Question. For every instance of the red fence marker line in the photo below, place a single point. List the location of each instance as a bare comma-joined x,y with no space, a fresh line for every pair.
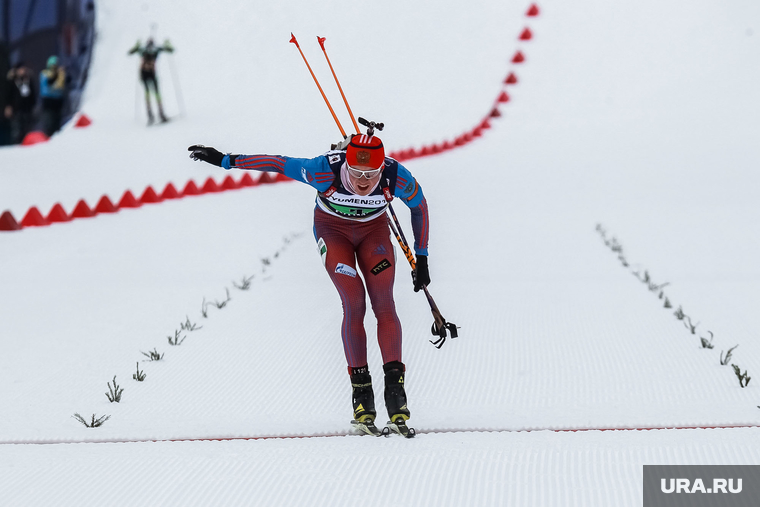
519,57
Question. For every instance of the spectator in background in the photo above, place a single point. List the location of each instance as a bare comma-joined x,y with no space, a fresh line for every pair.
20,101
53,93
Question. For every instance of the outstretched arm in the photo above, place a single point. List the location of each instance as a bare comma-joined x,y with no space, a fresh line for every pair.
312,171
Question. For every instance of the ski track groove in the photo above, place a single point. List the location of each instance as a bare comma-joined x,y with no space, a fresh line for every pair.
349,433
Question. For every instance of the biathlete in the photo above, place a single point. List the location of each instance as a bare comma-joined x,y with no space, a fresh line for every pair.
149,54
354,188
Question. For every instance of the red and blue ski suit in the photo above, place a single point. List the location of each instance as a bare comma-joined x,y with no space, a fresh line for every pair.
351,231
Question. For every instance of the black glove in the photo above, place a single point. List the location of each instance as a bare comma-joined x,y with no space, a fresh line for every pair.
206,153
421,275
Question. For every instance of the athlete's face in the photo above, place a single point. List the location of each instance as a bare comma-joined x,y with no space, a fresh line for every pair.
364,179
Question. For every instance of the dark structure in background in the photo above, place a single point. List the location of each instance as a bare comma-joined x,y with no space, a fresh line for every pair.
33,30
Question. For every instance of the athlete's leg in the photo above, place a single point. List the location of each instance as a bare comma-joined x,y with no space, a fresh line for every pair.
340,263
145,77
158,99
377,262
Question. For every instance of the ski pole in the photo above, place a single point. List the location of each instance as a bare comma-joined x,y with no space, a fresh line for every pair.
340,127
137,100
440,326
321,41
177,89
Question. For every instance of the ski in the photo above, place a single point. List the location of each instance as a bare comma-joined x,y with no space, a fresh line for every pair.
400,428
367,428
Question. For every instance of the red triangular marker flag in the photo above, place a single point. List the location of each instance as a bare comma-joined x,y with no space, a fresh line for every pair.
33,218
105,206
58,214
128,201
82,210
8,222
170,192
149,196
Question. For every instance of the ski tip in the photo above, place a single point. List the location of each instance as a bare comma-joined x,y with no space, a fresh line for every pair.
400,428
366,428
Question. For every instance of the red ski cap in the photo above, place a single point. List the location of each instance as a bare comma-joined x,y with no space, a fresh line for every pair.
365,151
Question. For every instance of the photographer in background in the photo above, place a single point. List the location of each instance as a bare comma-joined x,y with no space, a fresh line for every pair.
20,101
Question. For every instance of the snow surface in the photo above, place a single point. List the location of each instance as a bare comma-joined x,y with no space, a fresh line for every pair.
639,116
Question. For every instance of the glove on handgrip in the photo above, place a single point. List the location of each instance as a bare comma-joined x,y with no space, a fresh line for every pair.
421,275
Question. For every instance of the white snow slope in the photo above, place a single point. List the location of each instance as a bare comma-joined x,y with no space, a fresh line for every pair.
639,116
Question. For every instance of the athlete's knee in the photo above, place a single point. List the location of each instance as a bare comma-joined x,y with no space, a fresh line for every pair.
354,306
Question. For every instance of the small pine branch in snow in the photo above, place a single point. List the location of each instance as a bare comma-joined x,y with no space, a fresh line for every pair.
94,423
153,355
707,344
114,393
623,261
204,308
691,327
654,287
725,361
189,326
667,303
245,284
614,245
679,313
743,378
176,340
140,375
222,304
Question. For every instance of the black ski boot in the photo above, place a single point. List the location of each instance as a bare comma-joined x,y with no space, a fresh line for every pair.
363,399
395,399
395,395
